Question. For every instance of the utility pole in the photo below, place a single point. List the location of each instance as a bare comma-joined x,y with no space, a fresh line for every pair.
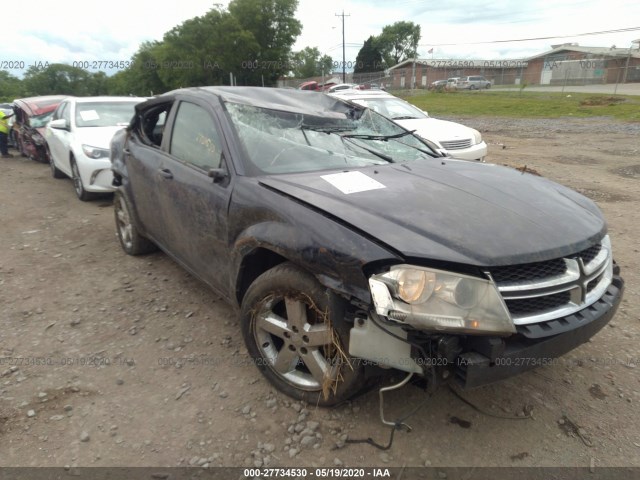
344,63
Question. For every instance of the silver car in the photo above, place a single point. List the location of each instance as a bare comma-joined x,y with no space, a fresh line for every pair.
474,82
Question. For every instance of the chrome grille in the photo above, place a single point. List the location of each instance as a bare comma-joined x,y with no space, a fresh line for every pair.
456,144
528,306
529,271
590,253
542,291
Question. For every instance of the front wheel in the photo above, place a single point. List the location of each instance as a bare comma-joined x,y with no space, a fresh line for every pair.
294,330
78,186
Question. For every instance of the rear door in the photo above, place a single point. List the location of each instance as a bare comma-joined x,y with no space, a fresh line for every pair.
144,158
195,207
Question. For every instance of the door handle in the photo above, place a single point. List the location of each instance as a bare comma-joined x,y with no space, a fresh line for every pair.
166,173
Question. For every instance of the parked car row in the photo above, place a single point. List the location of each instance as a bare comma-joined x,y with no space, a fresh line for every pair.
474,82
333,87
72,135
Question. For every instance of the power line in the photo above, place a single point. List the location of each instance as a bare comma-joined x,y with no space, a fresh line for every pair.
619,30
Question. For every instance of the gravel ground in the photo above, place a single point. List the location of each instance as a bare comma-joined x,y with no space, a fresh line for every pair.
132,362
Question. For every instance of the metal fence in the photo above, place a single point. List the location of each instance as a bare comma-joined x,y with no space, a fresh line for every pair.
579,72
556,73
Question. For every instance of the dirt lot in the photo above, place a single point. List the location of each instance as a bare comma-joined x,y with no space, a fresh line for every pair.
132,362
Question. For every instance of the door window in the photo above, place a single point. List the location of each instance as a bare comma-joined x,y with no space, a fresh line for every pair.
194,138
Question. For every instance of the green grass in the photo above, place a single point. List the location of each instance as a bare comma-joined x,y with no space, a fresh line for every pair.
526,104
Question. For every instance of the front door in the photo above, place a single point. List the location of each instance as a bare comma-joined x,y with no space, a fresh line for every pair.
194,208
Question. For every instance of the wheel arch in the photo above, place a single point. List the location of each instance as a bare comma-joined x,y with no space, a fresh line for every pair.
254,264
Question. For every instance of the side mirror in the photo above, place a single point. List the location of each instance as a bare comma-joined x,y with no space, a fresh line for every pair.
218,174
60,124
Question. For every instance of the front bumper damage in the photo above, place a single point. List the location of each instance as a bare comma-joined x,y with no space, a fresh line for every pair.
473,361
521,353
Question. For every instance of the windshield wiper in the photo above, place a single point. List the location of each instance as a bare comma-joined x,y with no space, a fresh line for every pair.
406,117
362,136
370,150
318,128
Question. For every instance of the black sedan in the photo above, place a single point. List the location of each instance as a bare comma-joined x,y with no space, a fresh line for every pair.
350,247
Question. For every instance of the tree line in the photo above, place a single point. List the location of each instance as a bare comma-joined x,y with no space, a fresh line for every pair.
250,43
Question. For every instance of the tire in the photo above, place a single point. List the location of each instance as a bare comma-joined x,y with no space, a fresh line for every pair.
78,186
291,325
127,227
488,86
472,87
55,172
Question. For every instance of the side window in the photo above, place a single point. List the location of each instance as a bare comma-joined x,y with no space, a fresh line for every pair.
194,139
151,124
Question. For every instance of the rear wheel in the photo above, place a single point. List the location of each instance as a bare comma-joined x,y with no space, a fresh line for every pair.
127,227
55,172
293,328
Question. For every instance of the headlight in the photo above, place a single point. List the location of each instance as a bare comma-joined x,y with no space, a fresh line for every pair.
430,299
477,136
95,152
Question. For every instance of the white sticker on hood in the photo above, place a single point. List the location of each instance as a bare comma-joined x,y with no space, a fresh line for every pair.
352,182
88,115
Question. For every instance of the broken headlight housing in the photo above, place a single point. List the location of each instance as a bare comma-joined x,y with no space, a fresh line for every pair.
430,299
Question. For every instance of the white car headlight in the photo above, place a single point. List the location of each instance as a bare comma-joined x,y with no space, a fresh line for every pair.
95,152
430,299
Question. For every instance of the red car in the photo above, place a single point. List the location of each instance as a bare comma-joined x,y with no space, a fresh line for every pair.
32,114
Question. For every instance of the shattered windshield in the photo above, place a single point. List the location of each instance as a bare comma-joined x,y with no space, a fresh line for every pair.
287,142
40,121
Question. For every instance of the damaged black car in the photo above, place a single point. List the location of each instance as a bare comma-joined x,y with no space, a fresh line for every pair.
350,247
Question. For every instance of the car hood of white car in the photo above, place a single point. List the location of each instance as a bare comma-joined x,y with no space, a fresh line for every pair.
437,130
98,137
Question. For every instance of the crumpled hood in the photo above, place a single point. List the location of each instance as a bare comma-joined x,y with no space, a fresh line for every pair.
96,136
437,130
456,211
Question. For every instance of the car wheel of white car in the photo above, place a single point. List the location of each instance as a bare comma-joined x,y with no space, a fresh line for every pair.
130,239
293,330
55,171
77,183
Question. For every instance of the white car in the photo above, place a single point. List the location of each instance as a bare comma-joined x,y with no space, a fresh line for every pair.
450,138
78,138
342,86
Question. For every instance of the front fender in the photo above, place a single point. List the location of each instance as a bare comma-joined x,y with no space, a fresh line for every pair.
335,254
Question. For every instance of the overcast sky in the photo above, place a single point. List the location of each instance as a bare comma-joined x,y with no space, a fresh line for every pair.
66,31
